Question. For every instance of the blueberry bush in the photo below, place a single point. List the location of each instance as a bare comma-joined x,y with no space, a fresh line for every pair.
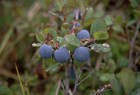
70,47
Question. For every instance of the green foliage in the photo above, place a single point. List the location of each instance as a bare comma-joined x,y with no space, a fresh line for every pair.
101,35
128,79
72,40
112,25
5,91
116,86
40,37
102,48
98,25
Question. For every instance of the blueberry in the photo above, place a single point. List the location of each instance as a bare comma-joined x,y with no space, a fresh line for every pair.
82,54
46,51
61,55
83,34
77,24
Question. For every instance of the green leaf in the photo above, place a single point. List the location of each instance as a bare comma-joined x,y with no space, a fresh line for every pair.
115,85
66,25
40,37
117,28
61,41
72,40
5,91
64,31
127,78
135,3
108,92
53,68
88,22
105,77
51,31
101,35
69,18
138,78
46,30
99,11
111,64
136,91
137,12
102,48
98,25
71,47
59,4
69,6
108,20
131,22
89,13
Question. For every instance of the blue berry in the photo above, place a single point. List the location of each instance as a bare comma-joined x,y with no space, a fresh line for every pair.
61,55
83,34
82,54
77,24
46,51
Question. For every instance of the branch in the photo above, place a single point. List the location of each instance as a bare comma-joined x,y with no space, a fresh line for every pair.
99,61
58,87
76,82
103,89
132,45
66,81
86,77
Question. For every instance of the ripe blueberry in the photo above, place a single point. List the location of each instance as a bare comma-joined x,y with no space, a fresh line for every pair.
77,24
81,54
83,34
46,51
61,55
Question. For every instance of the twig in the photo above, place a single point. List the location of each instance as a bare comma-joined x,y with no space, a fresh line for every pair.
33,10
86,77
6,38
66,82
99,61
58,87
62,85
7,73
103,89
132,45
70,92
20,81
76,82
123,40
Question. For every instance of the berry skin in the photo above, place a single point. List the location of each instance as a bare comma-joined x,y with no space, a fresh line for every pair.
46,51
83,34
61,55
77,24
82,54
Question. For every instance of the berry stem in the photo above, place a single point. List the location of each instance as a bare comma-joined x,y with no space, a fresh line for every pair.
66,80
76,81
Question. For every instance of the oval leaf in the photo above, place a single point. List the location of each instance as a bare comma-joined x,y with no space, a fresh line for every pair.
50,31
115,85
5,91
98,25
72,40
102,48
40,37
61,41
128,80
101,35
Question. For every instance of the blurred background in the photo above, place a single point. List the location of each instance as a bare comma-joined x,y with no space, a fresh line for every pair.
21,19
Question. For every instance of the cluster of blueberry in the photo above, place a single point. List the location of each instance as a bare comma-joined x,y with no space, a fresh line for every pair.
62,54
